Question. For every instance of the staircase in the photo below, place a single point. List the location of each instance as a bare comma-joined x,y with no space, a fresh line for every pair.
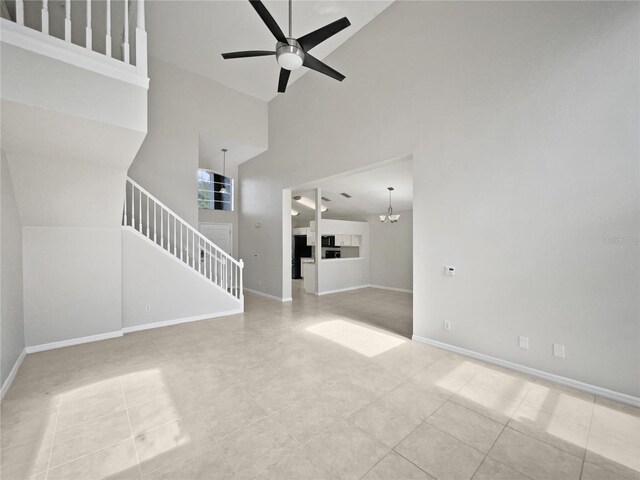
150,218
74,115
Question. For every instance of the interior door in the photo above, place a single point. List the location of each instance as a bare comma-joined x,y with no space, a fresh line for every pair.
218,233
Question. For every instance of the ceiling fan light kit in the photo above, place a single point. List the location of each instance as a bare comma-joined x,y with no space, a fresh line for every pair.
292,53
289,55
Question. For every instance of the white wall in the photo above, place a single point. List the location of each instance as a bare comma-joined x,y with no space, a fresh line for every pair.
522,118
36,79
342,274
391,251
182,106
12,318
69,135
151,277
72,283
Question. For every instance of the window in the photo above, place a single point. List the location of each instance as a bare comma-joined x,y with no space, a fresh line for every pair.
209,195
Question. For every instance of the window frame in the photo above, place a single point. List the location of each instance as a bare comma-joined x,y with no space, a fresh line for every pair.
212,202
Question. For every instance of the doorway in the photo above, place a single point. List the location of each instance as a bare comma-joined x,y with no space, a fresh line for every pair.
360,227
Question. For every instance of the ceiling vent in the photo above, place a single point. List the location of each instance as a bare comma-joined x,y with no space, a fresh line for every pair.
297,197
345,195
326,199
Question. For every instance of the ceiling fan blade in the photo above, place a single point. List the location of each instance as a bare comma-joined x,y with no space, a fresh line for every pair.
268,20
283,80
314,64
248,53
312,39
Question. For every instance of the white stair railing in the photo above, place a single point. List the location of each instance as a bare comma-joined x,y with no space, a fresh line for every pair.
102,11
149,216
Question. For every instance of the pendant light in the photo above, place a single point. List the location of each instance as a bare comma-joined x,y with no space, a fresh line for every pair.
389,217
224,164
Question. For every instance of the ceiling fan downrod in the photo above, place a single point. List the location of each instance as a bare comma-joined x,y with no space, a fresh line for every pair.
290,10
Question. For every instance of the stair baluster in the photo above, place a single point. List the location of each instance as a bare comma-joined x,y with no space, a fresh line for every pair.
201,254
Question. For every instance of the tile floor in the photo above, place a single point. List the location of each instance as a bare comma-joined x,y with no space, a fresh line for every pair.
311,389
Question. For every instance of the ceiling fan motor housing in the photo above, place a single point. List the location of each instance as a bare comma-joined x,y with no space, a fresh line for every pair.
290,55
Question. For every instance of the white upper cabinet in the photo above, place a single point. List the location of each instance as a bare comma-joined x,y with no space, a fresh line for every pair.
300,231
345,240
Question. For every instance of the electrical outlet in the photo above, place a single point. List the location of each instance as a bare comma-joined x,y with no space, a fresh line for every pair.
523,342
447,325
558,350
450,270
147,308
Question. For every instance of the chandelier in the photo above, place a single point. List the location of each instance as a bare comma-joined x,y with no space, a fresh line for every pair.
389,217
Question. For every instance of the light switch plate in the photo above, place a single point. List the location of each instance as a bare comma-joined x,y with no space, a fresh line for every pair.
523,342
558,350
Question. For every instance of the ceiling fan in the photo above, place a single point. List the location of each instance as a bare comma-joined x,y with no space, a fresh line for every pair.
292,53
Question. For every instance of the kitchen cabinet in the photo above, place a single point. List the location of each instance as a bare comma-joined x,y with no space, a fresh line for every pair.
345,240
311,240
300,231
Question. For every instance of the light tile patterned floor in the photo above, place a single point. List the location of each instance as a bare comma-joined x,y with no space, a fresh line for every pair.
318,388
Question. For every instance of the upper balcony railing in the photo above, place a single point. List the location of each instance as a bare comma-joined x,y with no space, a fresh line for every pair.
108,19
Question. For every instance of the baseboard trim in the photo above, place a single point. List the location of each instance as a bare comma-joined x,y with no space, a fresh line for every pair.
119,333
177,321
267,295
12,374
73,341
569,382
393,289
338,290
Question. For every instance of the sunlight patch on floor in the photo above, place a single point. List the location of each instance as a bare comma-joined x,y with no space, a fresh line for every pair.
455,378
363,340
144,391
